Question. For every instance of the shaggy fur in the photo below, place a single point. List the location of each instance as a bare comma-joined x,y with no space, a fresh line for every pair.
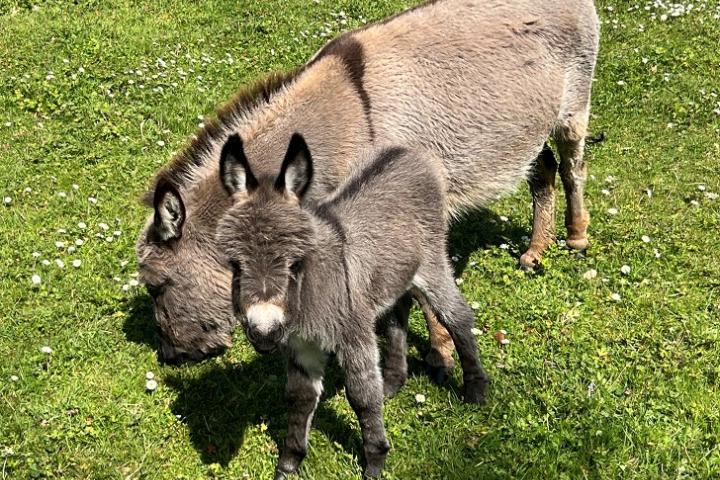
479,84
329,272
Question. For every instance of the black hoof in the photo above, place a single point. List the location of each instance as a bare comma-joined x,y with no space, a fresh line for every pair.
439,375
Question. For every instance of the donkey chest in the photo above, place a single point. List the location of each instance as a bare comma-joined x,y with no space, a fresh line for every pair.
308,355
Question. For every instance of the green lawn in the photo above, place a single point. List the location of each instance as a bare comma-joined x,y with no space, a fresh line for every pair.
96,95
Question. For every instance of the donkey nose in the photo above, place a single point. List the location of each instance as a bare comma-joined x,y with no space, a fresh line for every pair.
264,318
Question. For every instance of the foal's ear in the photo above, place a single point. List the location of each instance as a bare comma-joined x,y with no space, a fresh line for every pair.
169,211
235,173
297,168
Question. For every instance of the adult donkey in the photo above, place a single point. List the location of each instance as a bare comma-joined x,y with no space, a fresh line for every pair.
481,84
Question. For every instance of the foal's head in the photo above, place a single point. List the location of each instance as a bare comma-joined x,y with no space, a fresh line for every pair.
266,237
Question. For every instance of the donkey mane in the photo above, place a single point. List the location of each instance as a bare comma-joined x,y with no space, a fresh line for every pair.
179,172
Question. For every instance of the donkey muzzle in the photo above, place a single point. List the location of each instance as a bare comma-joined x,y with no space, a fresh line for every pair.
265,326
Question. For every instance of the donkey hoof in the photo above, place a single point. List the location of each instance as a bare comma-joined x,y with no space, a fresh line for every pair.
438,375
530,261
439,368
580,243
475,392
391,386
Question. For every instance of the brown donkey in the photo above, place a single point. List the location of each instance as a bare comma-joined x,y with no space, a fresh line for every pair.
480,84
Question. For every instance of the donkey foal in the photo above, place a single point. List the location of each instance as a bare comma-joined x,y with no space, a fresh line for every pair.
314,280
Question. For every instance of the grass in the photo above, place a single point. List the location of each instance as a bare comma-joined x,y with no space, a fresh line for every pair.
98,94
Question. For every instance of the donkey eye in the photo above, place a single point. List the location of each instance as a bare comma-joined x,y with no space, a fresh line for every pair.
154,290
296,267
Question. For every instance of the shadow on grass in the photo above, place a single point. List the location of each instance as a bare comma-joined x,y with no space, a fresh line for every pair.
139,326
221,403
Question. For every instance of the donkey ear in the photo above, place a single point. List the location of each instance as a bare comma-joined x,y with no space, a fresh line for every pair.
169,211
297,168
235,173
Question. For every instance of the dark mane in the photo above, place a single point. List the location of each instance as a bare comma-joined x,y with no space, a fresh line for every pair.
178,172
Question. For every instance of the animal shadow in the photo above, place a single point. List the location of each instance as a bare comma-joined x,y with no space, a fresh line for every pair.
139,326
223,402
479,229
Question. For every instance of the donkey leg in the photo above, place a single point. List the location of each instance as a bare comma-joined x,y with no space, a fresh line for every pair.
570,133
395,368
440,361
364,388
436,287
542,186
303,393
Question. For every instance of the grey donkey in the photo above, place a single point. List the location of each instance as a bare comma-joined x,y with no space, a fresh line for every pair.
314,280
481,84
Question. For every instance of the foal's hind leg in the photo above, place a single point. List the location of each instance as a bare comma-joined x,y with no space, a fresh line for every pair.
436,289
395,359
542,187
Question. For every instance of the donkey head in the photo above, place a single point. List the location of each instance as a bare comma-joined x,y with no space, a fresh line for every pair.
185,277
266,236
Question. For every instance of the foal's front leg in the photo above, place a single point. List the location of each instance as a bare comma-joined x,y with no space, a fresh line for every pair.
304,387
364,387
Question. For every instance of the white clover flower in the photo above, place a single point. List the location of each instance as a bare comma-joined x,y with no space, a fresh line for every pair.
711,195
458,281
605,191
59,263
133,282
645,239
27,190
503,218
149,375
92,200
694,203
625,269
151,385
109,238
14,378
124,263
160,143
504,246
35,279
590,274
701,188
475,305
117,233
62,194
46,350
76,263
79,242
615,297
505,341
612,211
420,398
75,186
36,254
103,226
476,331
125,287
46,262
71,249
82,225
7,200
60,244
